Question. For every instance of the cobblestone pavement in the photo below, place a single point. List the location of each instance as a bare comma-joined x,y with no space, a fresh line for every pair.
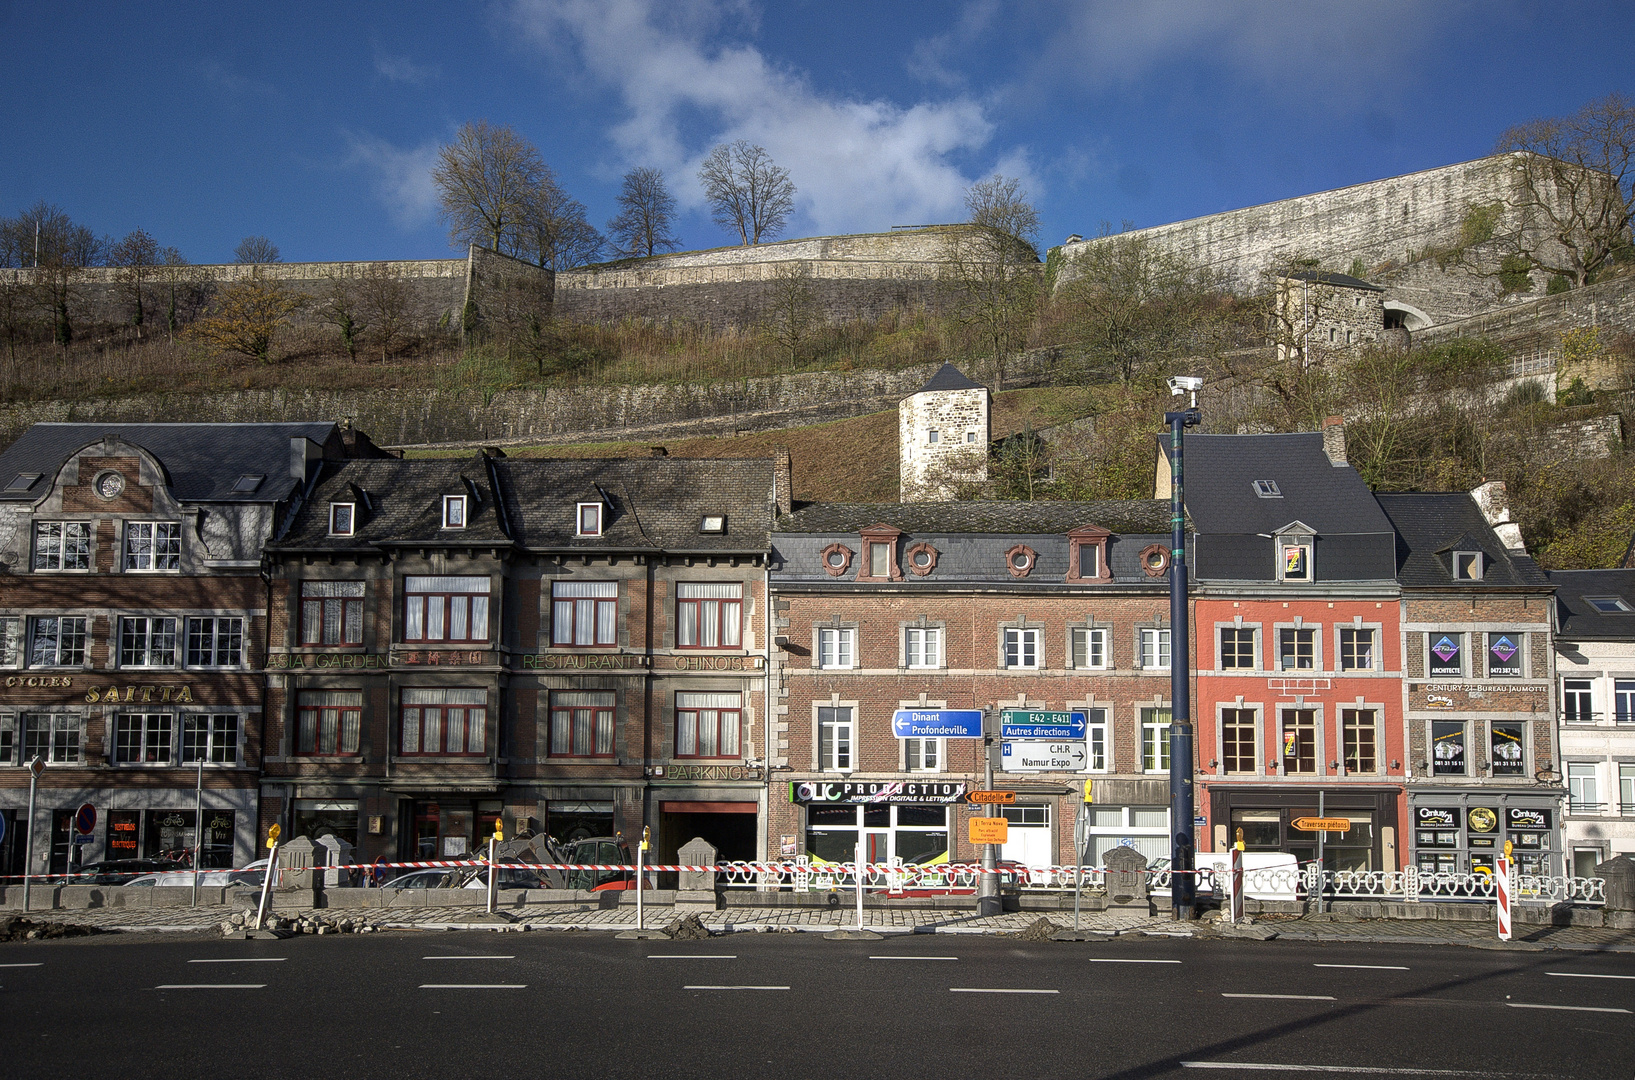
882,920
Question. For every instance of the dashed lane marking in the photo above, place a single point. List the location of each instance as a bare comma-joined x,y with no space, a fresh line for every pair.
1284,997
995,990
473,986
243,960
1585,975
690,956
37,963
913,958
211,986
1349,1070
1366,967
1565,1008
735,987
468,958
1120,960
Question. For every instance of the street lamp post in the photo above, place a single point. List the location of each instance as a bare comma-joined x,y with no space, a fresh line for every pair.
36,766
1183,846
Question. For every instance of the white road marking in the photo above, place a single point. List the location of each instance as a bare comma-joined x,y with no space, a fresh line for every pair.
1366,967
37,963
1352,1070
913,958
243,960
1284,997
1563,1008
735,987
690,956
468,958
1110,960
995,990
473,986
211,986
1561,974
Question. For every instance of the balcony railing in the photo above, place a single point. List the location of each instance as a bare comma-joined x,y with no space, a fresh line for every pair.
1579,806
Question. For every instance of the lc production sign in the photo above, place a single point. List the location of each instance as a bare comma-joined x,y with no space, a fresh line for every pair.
937,723
1029,724
1043,756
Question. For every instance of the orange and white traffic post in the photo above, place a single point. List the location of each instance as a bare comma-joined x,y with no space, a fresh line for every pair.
1501,892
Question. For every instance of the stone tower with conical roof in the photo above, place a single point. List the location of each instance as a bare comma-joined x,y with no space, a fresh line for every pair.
942,437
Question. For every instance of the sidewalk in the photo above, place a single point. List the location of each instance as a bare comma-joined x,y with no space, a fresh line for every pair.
886,921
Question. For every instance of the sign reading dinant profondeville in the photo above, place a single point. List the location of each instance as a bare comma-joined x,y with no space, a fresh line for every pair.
875,791
937,723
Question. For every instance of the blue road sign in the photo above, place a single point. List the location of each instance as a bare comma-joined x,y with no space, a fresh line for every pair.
937,723
2,826
1036,724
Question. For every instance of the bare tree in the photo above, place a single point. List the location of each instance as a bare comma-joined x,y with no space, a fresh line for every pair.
60,249
748,193
383,299
487,180
993,271
1001,204
186,287
256,251
136,256
791,311
1575,190
555,232
339,307
646,213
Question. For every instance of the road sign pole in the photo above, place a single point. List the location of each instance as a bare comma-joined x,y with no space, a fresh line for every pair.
198,830
36,765
1501,896
266,882
1183,845
987,895
641,863
862,839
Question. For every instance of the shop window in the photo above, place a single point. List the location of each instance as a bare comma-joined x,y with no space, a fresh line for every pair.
1297,648
153,545
709,616
332,612
1240,754
835,739
1509,749
327,722
1090,647
445,609
210,739
923,755
454,511
315,818
1143,828
708,725
216,642
1155,740
62,545
11,641
1299,737
1022,647
1356,649
142,739
1583,795
1504,656
1096,742
342,518
444,720
1237,648
914,834
837,646
584,613
589,519
1154,649
57,641
8,738
1576,700
52,737
1359,736
1626,787
582,723
147,642
1447,659
1448,748
922,646
1623,701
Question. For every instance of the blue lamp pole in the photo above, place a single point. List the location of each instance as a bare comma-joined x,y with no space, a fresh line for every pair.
1183,847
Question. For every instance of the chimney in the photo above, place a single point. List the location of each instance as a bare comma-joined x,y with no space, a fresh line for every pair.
1493,500
1334,440
783,470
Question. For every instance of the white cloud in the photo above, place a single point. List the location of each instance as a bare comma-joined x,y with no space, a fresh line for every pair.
857,165
401,69
929,58
401,178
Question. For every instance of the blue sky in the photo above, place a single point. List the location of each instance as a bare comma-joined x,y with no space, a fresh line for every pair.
316,124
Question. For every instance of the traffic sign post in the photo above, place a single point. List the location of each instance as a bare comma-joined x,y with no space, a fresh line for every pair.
996,798
1032,756
1322,824
1501,895
1034,724
266,882
937,724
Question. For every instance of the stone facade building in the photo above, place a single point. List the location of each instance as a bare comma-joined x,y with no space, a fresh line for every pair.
1320,315
943,432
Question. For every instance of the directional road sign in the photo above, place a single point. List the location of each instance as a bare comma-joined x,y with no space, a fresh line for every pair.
989,830
1322,824
937,723
1002,798
1034,724
1033,756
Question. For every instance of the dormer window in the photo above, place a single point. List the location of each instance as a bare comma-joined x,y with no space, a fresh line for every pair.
1266,489
1467,566
1087,554
713,523
880,554
1294,551
590,519
1020,560
454,511
342,518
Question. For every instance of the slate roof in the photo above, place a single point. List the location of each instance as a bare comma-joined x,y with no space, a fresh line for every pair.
1119,516
1220,496
1327,277
949,377
1432,525
203,461
1577,619
397,503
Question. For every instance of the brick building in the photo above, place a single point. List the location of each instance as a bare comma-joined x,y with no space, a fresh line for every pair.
1050,606
133,624
578,646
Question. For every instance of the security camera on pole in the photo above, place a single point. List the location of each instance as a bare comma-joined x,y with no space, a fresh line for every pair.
1183,848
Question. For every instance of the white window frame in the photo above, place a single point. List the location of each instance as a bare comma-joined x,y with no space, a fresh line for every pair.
1096,639
835,648
590,525
456,511
1098,729
128,558
65,723
57,659
59,549
15,642
338,510
217,632
147,638
1153,648
1581,694
917,751
1020,645
843,730
922,647
1154,756
1578,772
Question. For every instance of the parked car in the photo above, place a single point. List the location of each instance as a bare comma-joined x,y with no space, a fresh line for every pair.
212,879
510,878
113,871
427,879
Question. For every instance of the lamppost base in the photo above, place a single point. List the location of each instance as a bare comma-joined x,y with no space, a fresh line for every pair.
990,905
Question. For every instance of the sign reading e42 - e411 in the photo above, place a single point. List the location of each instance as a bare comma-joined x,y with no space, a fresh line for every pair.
937,723
1034,724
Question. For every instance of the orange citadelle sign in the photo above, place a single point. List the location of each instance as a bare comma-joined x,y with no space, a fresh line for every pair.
989,830
1322,824
1000,797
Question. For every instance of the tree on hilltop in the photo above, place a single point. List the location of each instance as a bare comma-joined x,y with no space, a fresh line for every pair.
1575,191
747,191
486,179
555,233
256,251
247,317
647,212
136,256
992,267
45,237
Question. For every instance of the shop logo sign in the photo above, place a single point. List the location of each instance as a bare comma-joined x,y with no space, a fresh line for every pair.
1504,649
1445,649
1436,816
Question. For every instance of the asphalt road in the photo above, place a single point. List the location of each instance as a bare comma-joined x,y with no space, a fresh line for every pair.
481,1005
